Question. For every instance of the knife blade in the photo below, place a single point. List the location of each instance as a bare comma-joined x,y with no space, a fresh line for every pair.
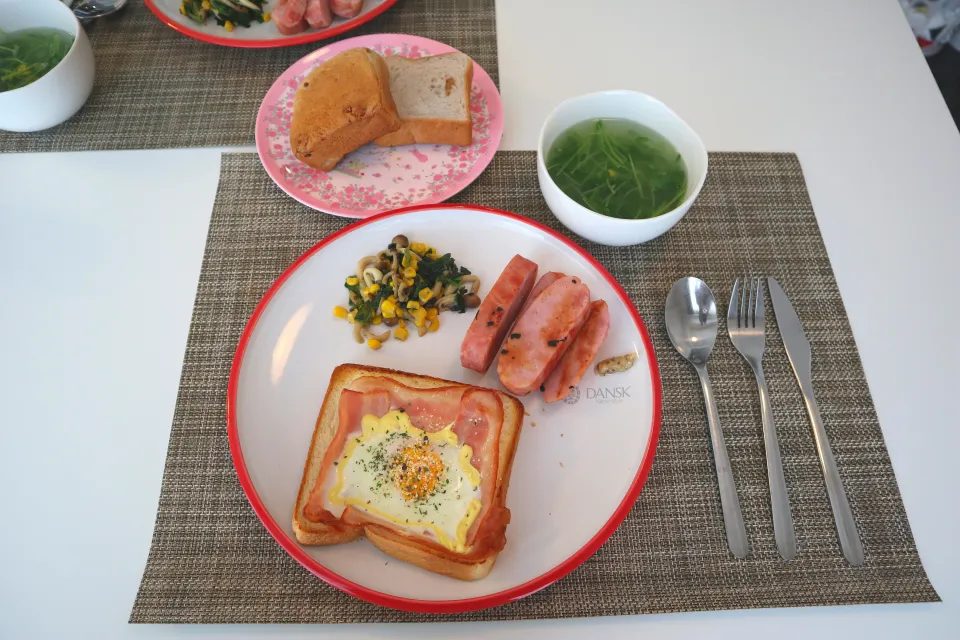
791,331
801,359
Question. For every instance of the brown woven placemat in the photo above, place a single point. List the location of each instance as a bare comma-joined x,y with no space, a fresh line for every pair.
212,561
157,89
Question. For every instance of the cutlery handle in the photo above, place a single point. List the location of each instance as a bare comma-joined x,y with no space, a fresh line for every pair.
846,525
732,516
779,501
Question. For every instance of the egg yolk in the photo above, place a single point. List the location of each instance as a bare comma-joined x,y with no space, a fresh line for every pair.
416,471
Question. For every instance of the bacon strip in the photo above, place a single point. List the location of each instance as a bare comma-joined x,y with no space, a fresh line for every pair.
353,406
476,415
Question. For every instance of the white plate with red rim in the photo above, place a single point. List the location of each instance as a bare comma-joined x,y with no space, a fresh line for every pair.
375,179
580,464
260,35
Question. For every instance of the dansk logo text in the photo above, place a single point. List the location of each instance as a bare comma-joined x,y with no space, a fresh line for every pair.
608,393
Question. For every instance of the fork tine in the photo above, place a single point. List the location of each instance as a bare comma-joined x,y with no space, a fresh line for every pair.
748,304
758,314
733,311
744,295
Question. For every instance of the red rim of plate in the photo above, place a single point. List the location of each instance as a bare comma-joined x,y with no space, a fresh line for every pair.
440,606
286,41
276,173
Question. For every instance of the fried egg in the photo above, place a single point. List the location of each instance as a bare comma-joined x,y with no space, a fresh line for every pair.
423,482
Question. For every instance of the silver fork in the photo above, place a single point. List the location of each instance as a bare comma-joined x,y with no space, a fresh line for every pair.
746,328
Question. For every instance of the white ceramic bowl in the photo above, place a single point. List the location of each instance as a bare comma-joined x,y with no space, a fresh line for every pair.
640,108
59,94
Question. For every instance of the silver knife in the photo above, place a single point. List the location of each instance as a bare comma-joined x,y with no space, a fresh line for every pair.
798,351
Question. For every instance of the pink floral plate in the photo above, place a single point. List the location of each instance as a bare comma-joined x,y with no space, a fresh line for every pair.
375,179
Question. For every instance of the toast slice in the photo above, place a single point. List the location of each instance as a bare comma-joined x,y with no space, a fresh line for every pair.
432,95
340,106
475,561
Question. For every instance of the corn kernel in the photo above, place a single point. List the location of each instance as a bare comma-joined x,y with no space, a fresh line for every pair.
410,272
353,281
377,319
401,322
409,259
267,17
374,344
424,295
339,312
408,282
418,248
206,5
401,334
434,324
419,317
183,11
352,317
431,252
413,304
432,313
372,289
388,308
228,25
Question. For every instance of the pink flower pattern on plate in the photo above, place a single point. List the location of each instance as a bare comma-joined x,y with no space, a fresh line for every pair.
373,179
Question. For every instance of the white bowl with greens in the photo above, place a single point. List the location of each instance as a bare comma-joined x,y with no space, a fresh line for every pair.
46,64
619,167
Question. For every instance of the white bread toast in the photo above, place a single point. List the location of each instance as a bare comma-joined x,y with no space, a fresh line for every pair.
432,95
340,106
474,563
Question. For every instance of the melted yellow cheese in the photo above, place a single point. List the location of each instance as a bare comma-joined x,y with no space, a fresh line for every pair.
363,482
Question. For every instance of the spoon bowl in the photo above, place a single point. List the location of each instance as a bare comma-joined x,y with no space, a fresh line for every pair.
691,317
91,9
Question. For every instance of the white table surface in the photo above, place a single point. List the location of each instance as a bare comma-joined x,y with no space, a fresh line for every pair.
100,255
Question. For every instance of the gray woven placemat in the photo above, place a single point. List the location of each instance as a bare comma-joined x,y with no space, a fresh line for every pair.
212,561
157,89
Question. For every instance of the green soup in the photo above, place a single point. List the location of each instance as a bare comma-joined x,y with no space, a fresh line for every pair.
29,54
619,168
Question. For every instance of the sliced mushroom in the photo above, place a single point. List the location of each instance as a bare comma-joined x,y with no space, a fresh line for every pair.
472,300
437,290
363,264
368,333
391,322
372,275
447,302
422,331
397,283
400,241
472,280
401,291
358,333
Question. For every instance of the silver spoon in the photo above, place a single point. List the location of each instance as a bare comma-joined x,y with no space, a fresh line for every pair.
90,9
691,318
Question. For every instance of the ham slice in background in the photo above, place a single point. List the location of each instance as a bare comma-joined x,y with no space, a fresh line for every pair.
318,13
346,8
288,15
